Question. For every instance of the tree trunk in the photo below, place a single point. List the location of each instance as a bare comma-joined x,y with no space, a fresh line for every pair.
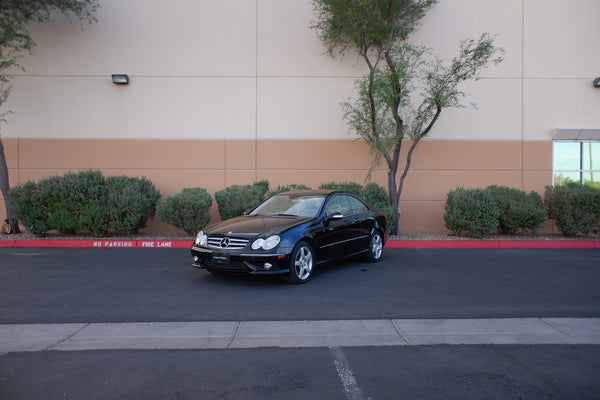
5,186
394,199
393,188
398,192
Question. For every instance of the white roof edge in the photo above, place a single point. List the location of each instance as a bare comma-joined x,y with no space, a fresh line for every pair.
576,134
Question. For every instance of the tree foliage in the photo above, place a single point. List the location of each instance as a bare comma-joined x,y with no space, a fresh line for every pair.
16,42
406,86
15,39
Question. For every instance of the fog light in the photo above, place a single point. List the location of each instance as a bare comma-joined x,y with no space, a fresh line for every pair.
268,266
196,258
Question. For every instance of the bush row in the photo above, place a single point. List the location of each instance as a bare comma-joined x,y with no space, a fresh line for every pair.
373,193
88,201
234,200
85,201
476,212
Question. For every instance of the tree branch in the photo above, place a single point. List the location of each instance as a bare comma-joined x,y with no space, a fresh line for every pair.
414,145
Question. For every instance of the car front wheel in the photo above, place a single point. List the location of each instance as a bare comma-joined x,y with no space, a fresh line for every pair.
375,247
301,263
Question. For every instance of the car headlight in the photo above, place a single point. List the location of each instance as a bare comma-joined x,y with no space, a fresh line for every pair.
201,238
267,244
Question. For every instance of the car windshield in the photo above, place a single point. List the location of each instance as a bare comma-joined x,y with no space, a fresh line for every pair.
305,205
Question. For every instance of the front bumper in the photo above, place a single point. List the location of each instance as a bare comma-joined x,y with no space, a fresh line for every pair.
240,261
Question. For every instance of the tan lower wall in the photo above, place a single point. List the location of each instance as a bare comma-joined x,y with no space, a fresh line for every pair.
438,166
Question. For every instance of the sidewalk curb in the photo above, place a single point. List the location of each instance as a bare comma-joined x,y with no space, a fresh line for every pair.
393,244
296,334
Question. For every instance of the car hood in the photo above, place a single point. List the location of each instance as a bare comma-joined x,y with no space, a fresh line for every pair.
249,226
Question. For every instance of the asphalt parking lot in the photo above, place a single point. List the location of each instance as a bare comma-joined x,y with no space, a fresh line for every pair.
419,372
103,293
151,285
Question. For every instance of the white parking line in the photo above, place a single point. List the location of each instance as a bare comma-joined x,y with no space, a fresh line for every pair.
342,366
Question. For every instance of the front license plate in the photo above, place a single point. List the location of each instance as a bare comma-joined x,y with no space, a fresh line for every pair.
220,258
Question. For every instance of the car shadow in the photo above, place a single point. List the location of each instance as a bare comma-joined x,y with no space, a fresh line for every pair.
205,277
323,273
345,265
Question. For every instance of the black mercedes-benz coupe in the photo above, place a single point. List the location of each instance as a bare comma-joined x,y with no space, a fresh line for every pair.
291,232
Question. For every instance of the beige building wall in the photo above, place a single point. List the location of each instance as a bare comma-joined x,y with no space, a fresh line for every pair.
234,91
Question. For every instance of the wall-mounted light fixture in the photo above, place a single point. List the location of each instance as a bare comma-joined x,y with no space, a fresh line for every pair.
120,79
597,82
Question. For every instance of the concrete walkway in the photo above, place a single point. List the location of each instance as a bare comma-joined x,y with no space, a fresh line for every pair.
254,334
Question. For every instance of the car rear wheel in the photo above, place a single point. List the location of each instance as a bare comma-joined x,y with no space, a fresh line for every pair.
375,247
301,263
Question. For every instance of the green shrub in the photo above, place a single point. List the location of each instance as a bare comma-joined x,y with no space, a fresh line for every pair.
518,210
85,201
287,188
28,207
187,209
351,187
66,203
471,212
374,194
131,203
378,197
574,207
234,200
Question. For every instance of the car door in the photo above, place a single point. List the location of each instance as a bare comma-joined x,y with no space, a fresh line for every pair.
361,230
339,230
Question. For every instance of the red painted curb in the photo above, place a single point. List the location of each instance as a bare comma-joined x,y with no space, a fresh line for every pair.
98,243
494,244
405,244
559,244
430,244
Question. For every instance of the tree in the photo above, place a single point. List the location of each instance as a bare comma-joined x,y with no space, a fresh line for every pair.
16,42
387,109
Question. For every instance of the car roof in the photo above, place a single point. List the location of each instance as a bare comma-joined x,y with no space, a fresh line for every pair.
323,192
306,191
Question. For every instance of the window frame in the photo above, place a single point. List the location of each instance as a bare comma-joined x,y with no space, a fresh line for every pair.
333,201
581,171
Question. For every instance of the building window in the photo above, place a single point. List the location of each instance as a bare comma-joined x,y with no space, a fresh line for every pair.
576,161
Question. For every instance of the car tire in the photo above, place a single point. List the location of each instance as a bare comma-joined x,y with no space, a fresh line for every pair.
375,247
301,263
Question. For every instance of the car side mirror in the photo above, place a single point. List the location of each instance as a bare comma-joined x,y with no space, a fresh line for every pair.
335,215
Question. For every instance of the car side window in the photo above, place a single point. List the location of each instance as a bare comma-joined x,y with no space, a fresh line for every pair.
357,205
338,204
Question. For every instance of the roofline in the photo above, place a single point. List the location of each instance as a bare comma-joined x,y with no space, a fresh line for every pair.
316,191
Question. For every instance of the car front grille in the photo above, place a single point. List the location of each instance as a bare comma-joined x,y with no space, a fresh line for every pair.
219,242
